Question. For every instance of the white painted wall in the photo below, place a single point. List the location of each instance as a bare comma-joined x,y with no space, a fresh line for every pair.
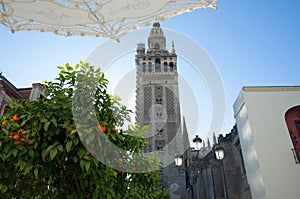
266,146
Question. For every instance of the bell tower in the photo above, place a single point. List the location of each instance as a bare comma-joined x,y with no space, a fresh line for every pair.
158,107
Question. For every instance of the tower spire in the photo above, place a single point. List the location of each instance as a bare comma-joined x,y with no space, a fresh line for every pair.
173,48
214,139
186,142
208,143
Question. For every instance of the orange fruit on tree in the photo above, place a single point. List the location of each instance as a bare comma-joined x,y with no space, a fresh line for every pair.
16,118
4,123
133,169
15,136
120,160
101,128
119,171
23,138
21,131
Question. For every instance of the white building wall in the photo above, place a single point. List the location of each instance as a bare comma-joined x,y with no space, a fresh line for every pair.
266,146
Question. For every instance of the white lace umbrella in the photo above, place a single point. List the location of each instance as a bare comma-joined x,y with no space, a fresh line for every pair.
107,18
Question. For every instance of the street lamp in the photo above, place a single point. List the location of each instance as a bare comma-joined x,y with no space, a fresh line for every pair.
178,160
219,154
197,142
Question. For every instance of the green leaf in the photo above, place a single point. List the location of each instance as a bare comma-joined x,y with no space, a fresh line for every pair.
22,165
4,188
36,173
53,120
69,145
82,164
75,159
52,146
31,153
87,165
46,126
60,148
6,149
60,67
44,154
3,156
8,154
76,141
28,168
53,153
43,120
6,132
24,122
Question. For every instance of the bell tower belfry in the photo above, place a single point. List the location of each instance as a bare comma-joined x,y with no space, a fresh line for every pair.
157,40
158,107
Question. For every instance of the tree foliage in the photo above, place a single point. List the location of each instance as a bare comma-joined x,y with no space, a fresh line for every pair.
42,154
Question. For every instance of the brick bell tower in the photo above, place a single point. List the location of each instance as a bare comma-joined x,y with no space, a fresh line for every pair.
157,106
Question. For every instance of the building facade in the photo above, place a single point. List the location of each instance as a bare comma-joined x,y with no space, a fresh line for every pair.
262,151
268,121
9,91
158,107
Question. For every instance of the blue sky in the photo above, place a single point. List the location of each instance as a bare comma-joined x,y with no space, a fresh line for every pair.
252,43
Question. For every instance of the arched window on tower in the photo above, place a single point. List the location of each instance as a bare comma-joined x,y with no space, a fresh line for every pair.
165,67
292,119
144,67
171,66
149,67
157,65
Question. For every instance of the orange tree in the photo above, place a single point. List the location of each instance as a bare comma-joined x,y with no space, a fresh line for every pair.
50,148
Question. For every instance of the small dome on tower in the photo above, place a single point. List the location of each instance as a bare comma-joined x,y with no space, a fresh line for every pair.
156,24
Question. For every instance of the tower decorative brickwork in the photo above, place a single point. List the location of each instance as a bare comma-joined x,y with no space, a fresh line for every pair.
157,106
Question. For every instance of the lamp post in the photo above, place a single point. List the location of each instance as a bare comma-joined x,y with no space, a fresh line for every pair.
219,154
197,140
200,163
178,157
